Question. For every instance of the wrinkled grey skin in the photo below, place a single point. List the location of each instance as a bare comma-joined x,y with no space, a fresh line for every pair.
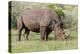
40,20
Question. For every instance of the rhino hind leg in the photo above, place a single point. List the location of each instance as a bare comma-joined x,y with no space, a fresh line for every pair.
27,33
19,32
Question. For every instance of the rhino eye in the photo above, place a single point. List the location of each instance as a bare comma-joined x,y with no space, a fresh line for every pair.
61,25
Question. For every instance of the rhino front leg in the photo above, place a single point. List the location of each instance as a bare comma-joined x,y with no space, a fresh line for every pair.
47,35
43,32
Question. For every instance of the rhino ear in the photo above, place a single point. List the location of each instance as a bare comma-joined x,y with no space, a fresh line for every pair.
60,17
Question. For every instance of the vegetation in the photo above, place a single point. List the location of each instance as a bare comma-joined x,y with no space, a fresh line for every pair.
69,15
69,12
34,44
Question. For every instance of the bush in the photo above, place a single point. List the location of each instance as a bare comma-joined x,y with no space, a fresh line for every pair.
69,12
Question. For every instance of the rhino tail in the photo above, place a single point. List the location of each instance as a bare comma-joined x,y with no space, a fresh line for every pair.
19,23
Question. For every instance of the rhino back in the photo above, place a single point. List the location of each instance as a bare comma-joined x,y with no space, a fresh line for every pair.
33,19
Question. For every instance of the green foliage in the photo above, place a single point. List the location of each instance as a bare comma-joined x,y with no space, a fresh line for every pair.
52,6
58,10
13,22
71,17
69,12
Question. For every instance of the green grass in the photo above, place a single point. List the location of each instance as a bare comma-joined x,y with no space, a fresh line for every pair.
34,43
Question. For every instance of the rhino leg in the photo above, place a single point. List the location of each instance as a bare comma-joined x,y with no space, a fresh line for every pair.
19,32
47,35
20,28
43,32
27,33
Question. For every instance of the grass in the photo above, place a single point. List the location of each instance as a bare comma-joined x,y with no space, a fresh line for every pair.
34,44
